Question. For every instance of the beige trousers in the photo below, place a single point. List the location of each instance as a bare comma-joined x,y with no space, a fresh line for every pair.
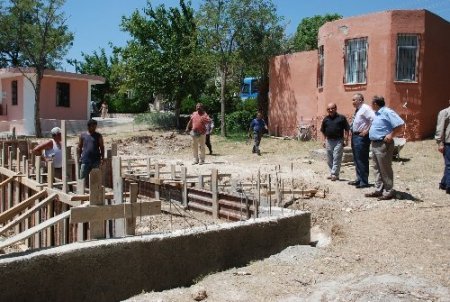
198,141
382,154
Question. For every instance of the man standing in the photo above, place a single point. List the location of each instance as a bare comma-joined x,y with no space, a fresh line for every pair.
209,130
52,151
197,127
385,126
443,139
257,126
362,120
91,149
335,129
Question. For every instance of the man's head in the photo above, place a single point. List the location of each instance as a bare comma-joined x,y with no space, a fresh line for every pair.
92,125
332,109
259,115
377,102
56,133
199,107
357,100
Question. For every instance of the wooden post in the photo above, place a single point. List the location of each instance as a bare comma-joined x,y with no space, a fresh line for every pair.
3,154
37,168
18,166
26,170
184,192
149,166
157,186
258,188
201,182
96,195
64,155
119,224
173,171
50,210
131,222
214,189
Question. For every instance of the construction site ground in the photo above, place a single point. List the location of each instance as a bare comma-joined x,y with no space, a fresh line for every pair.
366,250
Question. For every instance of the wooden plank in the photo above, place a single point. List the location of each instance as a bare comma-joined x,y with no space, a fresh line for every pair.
97,229
27,214
214,190
65,157
34,230
184,188
11,212
131,222
6,181
119,224
106,212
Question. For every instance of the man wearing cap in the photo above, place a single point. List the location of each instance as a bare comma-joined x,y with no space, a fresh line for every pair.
91,149
51,150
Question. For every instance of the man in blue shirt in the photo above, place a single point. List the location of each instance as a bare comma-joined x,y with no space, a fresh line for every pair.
257,126
386,125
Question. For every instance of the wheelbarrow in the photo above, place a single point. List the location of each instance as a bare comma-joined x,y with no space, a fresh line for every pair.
399,143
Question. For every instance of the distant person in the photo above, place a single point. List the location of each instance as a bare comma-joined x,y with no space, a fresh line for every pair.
93,107
197,128
335,129
257,127
51,150
443,139
91,149
104,110
386,125
209,130
362,119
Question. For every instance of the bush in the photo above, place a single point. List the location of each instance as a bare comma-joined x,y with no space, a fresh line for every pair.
161,120
239,121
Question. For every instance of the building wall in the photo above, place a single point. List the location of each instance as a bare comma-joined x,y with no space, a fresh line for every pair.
292,92
78,100
417,102
14,112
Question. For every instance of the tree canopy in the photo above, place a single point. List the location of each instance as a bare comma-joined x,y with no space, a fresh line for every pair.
305,37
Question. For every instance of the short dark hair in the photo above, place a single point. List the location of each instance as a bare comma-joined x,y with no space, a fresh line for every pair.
92,122
379,100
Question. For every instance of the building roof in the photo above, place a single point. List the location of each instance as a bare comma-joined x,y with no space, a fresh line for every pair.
14,72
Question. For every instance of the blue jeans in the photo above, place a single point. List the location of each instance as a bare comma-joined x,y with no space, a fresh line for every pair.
257,140
445,181
85,169
360,149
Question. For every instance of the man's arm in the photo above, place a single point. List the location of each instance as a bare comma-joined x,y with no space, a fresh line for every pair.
42,146
396,131
189,125
80,147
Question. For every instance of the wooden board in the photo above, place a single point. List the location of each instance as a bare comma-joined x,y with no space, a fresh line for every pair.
115,211
27,213
11,212
34,230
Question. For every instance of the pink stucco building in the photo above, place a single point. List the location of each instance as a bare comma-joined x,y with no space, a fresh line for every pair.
64,96
403,55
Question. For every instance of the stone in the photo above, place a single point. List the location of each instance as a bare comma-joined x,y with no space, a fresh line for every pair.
199,294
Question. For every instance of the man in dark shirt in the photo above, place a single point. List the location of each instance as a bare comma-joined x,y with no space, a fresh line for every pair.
91,149
257,126
335,129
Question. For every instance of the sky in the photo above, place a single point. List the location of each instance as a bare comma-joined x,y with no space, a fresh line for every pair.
96,23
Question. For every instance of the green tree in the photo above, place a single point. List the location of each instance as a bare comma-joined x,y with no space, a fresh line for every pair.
241,35
39,38
305,37
164,56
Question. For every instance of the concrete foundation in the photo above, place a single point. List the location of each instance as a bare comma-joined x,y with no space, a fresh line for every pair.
116,269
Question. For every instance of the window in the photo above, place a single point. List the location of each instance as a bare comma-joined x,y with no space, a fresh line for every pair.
14,92
355,61
321,68
407,47
255,86
62,94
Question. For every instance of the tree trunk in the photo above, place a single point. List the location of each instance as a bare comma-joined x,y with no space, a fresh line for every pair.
177,112
37,98
223,83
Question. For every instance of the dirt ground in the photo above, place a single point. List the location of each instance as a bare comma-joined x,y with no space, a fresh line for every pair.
367,250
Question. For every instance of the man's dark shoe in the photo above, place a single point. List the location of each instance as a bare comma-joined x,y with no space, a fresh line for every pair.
441,186
447,191
360,186
386,197
374,194
353,182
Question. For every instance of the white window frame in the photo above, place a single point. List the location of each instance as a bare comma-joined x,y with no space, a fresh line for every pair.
356,61
407,57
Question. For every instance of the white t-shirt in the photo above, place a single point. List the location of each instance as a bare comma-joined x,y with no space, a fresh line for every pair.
56,153
363,118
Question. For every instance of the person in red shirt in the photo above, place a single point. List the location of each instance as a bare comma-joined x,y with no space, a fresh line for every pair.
197,129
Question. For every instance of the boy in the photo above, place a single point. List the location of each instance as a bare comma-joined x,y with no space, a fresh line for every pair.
257,126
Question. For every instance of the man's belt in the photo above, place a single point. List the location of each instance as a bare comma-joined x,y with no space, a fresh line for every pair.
356,133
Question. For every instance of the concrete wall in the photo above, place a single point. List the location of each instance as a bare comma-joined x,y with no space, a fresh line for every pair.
112,270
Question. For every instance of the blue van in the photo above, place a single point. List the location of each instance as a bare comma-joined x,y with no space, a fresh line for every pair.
250,88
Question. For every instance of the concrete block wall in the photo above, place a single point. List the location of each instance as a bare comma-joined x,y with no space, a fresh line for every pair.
116,269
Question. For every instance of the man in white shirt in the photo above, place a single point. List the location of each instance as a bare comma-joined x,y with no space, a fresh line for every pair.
443,139
362,120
